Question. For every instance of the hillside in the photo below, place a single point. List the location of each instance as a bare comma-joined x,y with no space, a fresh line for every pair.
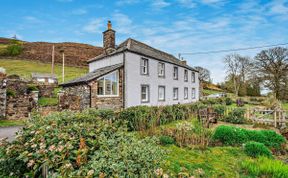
76,54
24,69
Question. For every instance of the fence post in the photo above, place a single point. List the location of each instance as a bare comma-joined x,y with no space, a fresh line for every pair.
275,118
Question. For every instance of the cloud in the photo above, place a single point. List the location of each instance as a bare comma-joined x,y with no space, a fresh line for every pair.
123,23
278,7
95,26
32,19
79,12
127,2
211,1
159,4
187,3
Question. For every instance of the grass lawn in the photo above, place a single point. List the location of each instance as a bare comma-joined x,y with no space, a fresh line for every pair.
215,161
43,101
210,92
7,123
24,68
285,106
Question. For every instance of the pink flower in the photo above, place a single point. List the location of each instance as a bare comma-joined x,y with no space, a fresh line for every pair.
52,148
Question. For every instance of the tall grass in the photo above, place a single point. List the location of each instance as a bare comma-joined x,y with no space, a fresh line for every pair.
265,167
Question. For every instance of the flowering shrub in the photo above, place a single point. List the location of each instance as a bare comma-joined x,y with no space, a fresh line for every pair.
78,145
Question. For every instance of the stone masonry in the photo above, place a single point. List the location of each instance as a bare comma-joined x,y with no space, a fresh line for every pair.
2,96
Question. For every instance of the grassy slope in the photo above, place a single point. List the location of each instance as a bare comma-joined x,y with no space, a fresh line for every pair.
7,123
25,68
215,161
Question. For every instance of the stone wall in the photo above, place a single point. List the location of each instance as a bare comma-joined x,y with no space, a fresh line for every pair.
75,97
46,90
19,102
2,97
107,102
19,107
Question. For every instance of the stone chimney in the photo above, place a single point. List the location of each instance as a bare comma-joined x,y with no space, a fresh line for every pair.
109,39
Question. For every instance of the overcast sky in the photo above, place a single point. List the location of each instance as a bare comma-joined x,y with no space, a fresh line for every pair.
173,26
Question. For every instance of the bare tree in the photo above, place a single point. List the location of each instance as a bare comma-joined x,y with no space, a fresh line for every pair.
271,67
204,74
237,68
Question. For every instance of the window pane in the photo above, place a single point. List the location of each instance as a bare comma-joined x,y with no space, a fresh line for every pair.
144,93
161,93
185,93
100,90
175,93
108,85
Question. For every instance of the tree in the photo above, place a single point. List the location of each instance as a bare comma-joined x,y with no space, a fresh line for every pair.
237,68
271,66
204,74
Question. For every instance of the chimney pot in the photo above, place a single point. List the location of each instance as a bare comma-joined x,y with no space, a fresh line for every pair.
109,25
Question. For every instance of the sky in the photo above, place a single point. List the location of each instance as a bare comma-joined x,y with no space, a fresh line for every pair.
174,26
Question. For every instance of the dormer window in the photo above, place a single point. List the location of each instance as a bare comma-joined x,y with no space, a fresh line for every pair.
144,66
186,75
161,69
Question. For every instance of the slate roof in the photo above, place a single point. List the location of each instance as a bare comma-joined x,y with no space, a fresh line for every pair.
43,75
143,49
93,75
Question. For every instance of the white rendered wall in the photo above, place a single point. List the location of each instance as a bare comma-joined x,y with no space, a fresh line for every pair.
108,61
134,80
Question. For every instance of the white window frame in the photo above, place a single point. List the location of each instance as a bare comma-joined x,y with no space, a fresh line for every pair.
161,99
193,93
175,73
104,86
186,89
147,93
144,66
193,77
177,93
185,75
161,69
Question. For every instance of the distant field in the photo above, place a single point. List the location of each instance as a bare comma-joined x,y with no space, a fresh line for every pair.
24,69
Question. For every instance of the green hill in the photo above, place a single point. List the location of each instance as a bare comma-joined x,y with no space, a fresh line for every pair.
24,69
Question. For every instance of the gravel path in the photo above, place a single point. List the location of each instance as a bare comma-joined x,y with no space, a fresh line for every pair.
9,132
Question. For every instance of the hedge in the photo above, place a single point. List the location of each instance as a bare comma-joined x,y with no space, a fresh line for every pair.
235,136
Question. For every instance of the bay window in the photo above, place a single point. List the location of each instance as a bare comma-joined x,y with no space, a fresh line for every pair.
108,85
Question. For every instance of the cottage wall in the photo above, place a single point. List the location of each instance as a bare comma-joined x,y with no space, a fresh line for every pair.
134,80
108,61
2,97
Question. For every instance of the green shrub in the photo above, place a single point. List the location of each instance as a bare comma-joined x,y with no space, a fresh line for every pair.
228,101
219,109
32,87
166,140
256,149
77,145
236,116
10,93
106,114
235,136
265,167
14,50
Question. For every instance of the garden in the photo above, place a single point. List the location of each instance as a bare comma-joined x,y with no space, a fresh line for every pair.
143,141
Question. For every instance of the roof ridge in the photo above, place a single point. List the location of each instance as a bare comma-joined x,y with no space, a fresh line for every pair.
154,48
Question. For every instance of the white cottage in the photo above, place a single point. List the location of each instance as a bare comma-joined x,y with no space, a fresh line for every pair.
132,74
